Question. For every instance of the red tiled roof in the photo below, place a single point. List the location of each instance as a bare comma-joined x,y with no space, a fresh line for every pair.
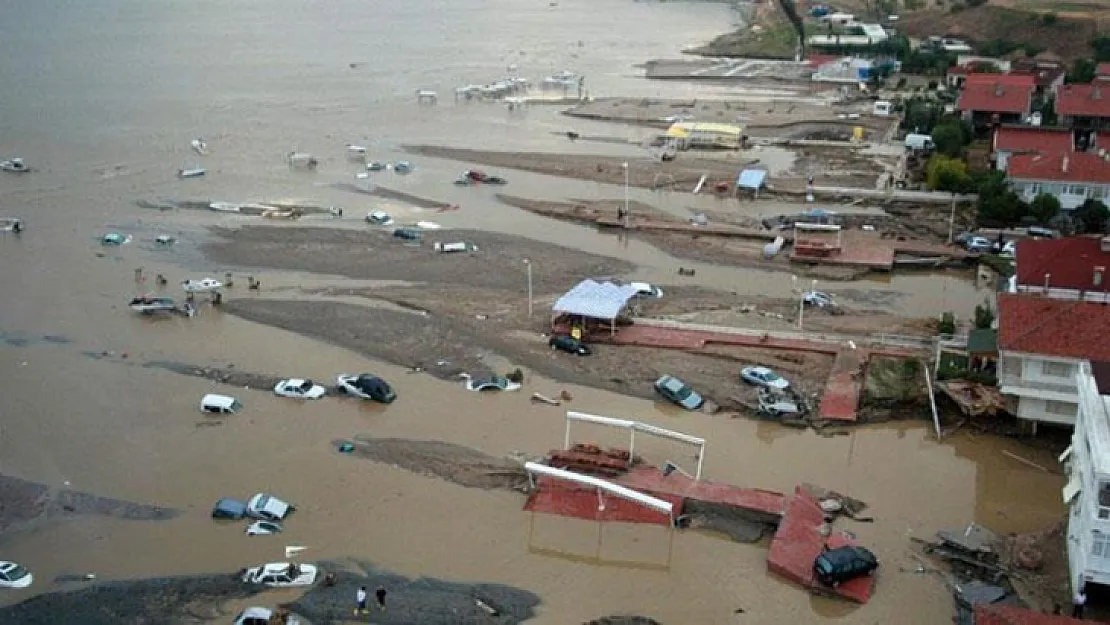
996,97
1091,100
1103,70
1032,324
1043,74
995,614
1070,261
1033,139
1007,80
1074,167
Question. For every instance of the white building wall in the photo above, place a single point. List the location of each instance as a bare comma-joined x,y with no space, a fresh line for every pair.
1088,543
1045,387
1068,294
1071,194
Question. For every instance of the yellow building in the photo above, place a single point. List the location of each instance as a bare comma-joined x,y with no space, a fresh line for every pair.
706,135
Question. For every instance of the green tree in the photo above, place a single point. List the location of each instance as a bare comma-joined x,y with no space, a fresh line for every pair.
1044,207
947,324
944,173
984,316
997,203
1082,71
950,137
921,115
1101,47
1091,217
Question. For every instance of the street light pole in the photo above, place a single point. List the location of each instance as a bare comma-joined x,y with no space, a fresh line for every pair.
528,265
952,219
624,166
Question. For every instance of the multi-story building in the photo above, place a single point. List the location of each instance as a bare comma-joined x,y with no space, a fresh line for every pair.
1073,178
1087,492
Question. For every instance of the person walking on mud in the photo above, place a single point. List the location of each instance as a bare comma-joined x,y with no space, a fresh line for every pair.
360,601
380,595
1078,602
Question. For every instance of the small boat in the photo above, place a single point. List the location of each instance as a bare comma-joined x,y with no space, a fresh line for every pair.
402,167
192,172
15,166
225,207
149,305
200,146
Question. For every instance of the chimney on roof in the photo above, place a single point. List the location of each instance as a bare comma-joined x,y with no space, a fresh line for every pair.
1096,279
1104,244
1046,277
999,90
1096,93
1064,165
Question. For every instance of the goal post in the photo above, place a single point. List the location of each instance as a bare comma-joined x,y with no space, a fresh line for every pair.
633,427
616,490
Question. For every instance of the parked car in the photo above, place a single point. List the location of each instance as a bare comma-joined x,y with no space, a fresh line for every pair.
375,166
569,344
1038,232
201,286
978,244
1007,249
263,528
646,291
407,234
763,376
229,509
281,574
299,389
678,392
776,404
366,386
268,508
220,404
489,383
254,616
835,566
818,299
13,575
379,218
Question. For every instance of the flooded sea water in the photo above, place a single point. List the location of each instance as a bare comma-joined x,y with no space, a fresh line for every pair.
103,99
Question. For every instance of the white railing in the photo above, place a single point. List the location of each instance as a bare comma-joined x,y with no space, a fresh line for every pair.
890,340
1018,381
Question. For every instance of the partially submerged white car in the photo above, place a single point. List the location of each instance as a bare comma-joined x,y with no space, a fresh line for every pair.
646,290
204,285
268,508
263,528
299,389
281,574
13,575
488,383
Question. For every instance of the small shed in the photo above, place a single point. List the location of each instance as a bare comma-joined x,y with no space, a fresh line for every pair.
591,302
753,180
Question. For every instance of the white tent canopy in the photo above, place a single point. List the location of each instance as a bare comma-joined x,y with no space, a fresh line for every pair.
596,300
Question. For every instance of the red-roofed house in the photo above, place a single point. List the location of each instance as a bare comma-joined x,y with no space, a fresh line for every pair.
1011,140
1041,343
1102,71
997,614
990,98
1072,178
1084,106
1072,268
1048,76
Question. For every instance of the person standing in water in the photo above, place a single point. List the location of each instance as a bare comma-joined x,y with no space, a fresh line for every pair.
360,601
380,594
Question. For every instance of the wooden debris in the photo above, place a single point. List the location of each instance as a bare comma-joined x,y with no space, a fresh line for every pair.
544,399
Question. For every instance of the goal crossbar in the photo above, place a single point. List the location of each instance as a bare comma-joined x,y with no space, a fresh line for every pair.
633,427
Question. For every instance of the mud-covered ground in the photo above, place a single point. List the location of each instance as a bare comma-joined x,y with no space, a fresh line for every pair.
456,464
24,503
838,167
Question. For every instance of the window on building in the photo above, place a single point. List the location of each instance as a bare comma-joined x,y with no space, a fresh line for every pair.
1099,546
1077,190
1097,193
1104,500
1059,407
1057,369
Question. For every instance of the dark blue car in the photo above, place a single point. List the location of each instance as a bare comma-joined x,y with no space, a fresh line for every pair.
229,509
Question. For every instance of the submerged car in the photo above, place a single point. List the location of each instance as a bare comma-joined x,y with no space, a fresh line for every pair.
818,299
220,404
13,575
379,218
268,508
646,291
280,574
763,376
201,286
299,389
366,386
775,404
254,616
978,244
229,509
834,566
489,383
569,344
263,528
678,392
407,234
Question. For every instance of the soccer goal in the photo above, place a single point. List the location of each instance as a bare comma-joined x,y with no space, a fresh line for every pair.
633,427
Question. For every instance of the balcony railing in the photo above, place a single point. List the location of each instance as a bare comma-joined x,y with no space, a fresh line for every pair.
1036,385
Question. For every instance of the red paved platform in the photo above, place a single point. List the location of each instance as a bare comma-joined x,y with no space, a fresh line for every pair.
650,480
840,401
682,338
872,253
798,542
553,496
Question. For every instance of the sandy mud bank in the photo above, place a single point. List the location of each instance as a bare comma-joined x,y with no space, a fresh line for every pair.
24,503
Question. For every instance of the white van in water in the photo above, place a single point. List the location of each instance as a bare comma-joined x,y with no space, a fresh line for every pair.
220,404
